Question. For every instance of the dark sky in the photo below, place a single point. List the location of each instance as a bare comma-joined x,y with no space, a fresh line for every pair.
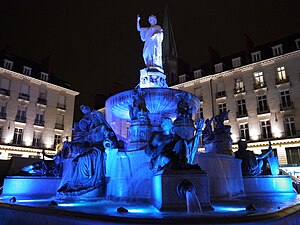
94,42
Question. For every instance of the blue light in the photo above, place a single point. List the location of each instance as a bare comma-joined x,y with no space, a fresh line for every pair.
228,208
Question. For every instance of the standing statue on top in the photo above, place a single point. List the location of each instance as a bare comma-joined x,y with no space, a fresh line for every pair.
153,37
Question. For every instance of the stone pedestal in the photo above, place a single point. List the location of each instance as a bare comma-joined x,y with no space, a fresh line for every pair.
152,78
165,189
139,133
184,128
268,184
224,172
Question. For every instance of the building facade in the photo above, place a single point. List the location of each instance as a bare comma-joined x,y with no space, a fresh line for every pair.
262,91
36,109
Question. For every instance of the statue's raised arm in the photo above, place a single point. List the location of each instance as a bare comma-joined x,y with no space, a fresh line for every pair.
153,37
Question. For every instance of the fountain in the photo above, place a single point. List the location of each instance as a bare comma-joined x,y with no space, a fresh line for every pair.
143,154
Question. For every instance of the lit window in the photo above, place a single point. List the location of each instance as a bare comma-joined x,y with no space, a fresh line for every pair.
57,140
239,85
262,104
241,108
265,129
18,134
182,78
218,67
277,50
256,56
44,76
222,107
290,127
26,70
244,132
259,80
236,62
281,74
8,64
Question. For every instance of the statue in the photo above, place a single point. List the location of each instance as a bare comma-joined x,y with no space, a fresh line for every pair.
169,151
153,37
183,107
252,164
138,109
207,133
87,170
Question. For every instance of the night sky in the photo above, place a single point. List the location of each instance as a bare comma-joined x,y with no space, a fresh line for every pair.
94,43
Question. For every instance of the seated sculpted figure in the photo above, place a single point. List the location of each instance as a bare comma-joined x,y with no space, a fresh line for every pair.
252,164
153,37
168,150
138,108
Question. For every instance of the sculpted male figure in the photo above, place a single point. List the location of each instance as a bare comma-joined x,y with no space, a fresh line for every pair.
153,37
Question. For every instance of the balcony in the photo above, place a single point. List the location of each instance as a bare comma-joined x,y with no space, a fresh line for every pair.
241,114
259,85
59,126
221,94
4,92
282,80
21,119
3,115
42,101
238,90
286,106
24,96
39,122
61,106
263,110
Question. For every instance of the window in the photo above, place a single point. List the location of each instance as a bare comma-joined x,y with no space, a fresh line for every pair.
198,93
218,67
198,74
59,122
42,99
8,64
265,129
222,107
277,50
4,86
236,62
21,114
290,128
281,75
285,100
262,104
44,76
241,108
239,85
293,155
2,110
182,78
39,118
61,102
1,132
36,142
220,90
27,70
199,113
24,93
244,132
57,140
297,42
256,56
259,81
18,136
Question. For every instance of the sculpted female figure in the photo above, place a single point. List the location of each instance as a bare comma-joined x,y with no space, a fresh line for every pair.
153,37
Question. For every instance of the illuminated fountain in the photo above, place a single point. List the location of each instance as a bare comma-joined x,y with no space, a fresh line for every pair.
143,154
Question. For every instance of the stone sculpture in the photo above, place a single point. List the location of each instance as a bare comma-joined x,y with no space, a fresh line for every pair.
138,108
153,37
87,171
169,151
252,164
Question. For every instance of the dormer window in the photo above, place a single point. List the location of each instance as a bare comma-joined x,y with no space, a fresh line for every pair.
182,78
198,74
8,64
297,42
236,62
26,71
277,50
44,76
256,56
218,67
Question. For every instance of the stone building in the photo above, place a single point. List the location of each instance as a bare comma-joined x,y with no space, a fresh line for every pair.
261,88
36,108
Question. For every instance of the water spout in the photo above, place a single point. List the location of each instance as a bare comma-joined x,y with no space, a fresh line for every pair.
187,191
